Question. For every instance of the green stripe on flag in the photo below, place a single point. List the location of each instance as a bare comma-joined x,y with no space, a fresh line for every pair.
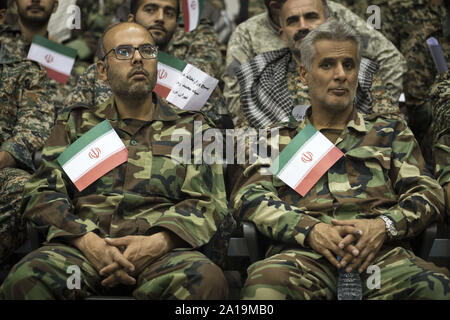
291,149
84,141
59,48
171,61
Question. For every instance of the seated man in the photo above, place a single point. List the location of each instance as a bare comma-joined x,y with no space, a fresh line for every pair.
261,34
33,20
364,209
199,48
154,206
26,118
440,109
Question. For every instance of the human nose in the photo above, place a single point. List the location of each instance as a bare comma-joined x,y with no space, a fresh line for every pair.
339,72
137,58
160,15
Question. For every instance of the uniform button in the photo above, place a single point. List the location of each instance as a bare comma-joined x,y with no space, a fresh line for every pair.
133,142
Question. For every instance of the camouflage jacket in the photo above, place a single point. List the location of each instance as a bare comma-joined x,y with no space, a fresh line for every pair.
12,42
26,115
152,190
382,172
440,108
259,34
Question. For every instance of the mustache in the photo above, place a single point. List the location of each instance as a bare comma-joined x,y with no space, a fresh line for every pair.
157,27
137,69
35,6
300,34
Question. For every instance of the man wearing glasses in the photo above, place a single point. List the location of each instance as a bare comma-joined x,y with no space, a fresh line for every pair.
135,229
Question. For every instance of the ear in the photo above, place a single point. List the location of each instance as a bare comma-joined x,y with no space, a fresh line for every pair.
55,6
101,69
303,74
130,17
275,11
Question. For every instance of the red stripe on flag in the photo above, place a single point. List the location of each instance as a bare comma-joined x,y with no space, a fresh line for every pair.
57,76
185,4
102,168
318,170
162,91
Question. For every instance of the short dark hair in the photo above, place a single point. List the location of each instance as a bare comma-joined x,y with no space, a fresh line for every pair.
326,9
135,4
3,4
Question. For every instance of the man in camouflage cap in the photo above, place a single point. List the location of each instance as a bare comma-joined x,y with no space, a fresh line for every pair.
261,34
155,207
364,209
199,48
26,117
33,18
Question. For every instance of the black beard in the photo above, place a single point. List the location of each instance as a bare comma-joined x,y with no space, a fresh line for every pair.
34,23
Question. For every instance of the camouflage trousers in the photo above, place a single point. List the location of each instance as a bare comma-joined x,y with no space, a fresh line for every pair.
12,229
180,274
303,274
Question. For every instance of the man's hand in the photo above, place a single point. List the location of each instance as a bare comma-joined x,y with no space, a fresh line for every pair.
373,237
101,254
325,238
141,251
7,160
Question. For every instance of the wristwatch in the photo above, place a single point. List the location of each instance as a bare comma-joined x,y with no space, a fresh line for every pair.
390,227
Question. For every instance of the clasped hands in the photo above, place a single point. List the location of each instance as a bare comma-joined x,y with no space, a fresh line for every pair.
356,241
120,260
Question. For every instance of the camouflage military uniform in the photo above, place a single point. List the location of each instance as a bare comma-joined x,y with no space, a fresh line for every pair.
259,34
94,19
12,42
26,117
382,172
408,24
357,6
440,130
199,48
256,7
154,189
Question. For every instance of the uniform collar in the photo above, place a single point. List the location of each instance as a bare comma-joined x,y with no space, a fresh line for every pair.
163,110
356,120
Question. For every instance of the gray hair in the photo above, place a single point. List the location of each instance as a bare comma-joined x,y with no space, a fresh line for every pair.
331,30
326,10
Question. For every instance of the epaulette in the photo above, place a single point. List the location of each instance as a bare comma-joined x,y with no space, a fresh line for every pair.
65,114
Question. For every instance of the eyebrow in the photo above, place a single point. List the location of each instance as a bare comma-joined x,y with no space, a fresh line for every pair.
165,7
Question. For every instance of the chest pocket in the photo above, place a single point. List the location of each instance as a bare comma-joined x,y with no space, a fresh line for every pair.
168,170
368,167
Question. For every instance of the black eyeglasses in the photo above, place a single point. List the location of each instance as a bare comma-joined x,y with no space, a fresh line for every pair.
126,52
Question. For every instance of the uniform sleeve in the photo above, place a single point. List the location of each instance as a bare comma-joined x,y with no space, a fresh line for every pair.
392,63
47,195
204,50
255,198
196,218
35,117
239,51
420,197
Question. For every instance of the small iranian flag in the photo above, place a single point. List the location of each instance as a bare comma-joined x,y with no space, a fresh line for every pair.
305,159
94,154
192,13
182,84
56,58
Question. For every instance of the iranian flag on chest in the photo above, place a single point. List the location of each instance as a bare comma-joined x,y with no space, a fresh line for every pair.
57,59
94,154
305,160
